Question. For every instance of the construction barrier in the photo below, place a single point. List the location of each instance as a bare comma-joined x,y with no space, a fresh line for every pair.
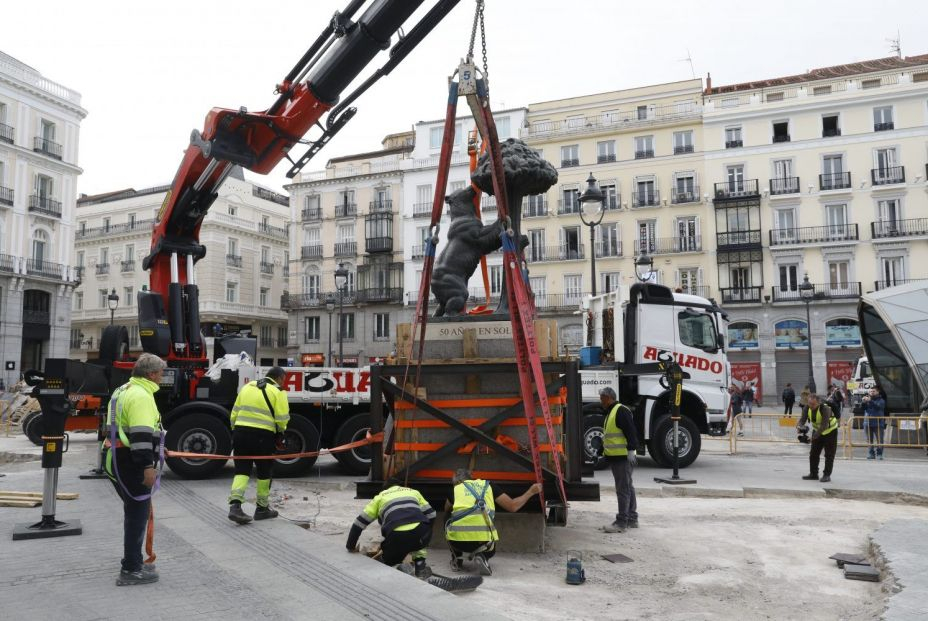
899,432
768,428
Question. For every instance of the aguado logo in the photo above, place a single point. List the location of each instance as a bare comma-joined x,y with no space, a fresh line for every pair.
687,361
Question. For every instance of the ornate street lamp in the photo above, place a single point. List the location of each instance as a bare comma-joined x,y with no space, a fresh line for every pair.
330,308
644,267
341,280
807,291
591,213
112,300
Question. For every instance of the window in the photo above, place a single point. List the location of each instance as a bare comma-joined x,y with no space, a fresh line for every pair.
642,113
44,187
645,194
883,118
232,209
496,279
688,238
887,167
610,281
102,299
683,142
893,271
262,296
345,198
830,126
647,234
836,219
733,137
311,237
381,326
740,278
82,227
129,254
454,186
347,327
311,201
644,147
689,280
610,196
873,83
265,336
128,295
789,277
312,285
437,133
233,247
735,176
570,243
311,329
783,181
134,337
573,287
605,151
39,246
281,336
106,224
697,330
131,220
75,338
265,255
536,245
104,256
80,258
838,274
781,131
574,121
785,231
609,240
48,130
231,289
424,195
78,300
502,127
684,186
571,201
890,217
570,155
821,90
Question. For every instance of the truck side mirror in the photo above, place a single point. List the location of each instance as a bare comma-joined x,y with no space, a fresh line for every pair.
720,341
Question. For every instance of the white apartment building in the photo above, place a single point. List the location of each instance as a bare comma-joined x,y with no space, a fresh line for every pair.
241,279
39,140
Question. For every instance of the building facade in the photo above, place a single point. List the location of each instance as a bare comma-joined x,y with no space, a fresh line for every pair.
241,279
39,141
819,175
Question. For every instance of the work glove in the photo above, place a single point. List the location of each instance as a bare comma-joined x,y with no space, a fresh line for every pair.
279,443
633,459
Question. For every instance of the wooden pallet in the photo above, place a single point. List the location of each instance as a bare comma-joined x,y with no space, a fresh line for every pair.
29,499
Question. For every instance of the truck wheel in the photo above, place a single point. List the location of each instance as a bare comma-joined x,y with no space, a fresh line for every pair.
198,433
114,343
593,439
32,427
356,460
301,437
661,443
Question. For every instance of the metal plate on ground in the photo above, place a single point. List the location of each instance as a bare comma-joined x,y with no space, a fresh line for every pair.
617,558
841,558
861,572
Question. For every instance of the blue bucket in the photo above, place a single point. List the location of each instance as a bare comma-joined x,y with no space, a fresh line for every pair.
590,356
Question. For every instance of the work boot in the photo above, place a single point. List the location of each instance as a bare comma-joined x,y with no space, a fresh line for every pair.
633,524
615,527
149,568
871,455
810,477
825,479
457,563
237,515
483,565
265,513
422,570
132,578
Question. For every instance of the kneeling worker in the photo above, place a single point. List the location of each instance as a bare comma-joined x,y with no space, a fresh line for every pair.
406,525
470,529
259,417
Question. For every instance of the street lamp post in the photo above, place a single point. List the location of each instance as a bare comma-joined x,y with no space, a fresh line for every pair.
807,291
330,308
341,279
644,262
591,214
112,300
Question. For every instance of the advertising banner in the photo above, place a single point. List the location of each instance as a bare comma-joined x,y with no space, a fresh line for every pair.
792,333
743,336
840,372
836,336
748,374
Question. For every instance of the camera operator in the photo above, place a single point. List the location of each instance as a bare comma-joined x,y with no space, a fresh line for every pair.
824,436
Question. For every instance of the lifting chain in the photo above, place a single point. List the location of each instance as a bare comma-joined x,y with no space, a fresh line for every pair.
478,18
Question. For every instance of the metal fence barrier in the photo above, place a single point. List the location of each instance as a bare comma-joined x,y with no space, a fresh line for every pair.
899,432
765,428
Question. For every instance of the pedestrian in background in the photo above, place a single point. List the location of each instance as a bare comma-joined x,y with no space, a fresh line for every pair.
837,398
620,441
747,396
804,400
736,409
824,437
789,398
874,422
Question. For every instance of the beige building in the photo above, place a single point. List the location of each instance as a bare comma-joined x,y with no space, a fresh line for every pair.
39,140
820,174
241,279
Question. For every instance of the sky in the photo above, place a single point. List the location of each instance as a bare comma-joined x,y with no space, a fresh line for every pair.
149,72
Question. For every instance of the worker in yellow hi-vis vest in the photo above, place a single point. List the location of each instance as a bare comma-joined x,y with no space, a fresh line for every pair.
259,419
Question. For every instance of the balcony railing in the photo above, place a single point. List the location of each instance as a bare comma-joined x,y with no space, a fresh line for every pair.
78,272
273,231
669,245
234,260
7,263
421,210
378,244
883,127
733,144
418,252
736,189
535,208
43,205
827,291
127,266
267,268
567,207
700,290
49,148
603,159
685,148
887,176
311,252
883,284
390,295
780,138
678,197
644,154
102,269
115,229
311,213
733,240
292,301
33,316
381,205
814,235
740,295
550,302
346,210
6,133
899,228
647,198
346,249
605,249
784,185
834,181
611,121
540,254
569,163
6,196
44,268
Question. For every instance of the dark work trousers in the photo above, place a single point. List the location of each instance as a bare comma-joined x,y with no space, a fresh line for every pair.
460,548
135,512
622,471
829,442
788,408
399,543
875,438
252,441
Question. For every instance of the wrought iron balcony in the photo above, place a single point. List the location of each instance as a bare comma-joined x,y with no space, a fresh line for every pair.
899,228
733,144
645,154
386,295
418,252
831,133
6,133
313,251
686,148
744,188
234,260
535,207
603,159
127,266
646,198
883,284
814,235
700,290
346,249
273,231
569,163
780,138
487,203
44,268
44,205
6,196
887,176
784,185
312,213
379,244
669,245
834,181
567,207
552,302
733,240
541,254
381,205
115,229
49,148
612,202
421,210
678,197
606,249
826,291
740,295
346,210
7,263
883,127
102,269
267,268
293,301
